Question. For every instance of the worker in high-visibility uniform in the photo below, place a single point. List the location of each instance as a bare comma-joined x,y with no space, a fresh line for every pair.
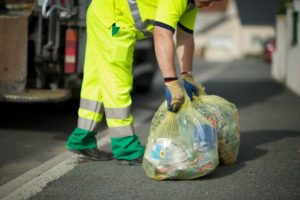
113,26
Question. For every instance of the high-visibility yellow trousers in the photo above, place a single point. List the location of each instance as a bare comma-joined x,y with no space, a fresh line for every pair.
107,83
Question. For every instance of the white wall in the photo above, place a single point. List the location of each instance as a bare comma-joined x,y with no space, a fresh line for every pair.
278,70
293,57
286,65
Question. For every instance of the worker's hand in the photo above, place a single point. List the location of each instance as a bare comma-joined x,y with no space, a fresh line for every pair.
191,86
174,95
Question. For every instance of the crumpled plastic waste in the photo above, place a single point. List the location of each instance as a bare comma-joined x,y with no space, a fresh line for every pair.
181,145
223,115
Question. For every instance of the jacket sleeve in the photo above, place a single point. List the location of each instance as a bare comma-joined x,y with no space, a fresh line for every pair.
169,13
187,20
173,13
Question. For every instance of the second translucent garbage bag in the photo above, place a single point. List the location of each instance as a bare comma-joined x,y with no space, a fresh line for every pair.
223,115
180,146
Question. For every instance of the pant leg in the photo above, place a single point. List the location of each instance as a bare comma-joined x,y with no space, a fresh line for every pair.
112,57
91,109
116,84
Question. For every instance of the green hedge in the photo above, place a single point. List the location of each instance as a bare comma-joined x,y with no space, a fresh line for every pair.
282,6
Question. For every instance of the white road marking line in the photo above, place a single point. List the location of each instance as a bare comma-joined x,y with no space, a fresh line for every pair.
33,181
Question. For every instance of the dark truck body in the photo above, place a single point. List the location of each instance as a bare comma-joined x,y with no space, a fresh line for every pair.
42,48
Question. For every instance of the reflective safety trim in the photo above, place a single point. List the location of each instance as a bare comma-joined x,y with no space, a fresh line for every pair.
121,131
139,24
117,113
91,105
88,124
90,115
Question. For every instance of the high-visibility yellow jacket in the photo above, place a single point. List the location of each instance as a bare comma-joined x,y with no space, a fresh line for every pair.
166,13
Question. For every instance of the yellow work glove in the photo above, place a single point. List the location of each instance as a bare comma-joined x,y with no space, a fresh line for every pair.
191,86
174,95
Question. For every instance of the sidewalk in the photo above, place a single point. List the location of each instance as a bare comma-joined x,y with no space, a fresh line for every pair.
268,166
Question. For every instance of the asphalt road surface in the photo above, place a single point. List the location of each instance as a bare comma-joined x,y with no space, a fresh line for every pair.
35,165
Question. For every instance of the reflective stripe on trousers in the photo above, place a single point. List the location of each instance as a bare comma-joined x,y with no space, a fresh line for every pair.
91,114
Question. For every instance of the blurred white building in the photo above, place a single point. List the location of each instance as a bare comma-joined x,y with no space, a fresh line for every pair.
286,58
232,29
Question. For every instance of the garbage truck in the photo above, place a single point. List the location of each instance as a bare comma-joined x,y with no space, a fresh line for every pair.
42,49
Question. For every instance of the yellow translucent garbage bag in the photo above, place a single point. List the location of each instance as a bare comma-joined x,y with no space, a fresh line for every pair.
181,145
223,115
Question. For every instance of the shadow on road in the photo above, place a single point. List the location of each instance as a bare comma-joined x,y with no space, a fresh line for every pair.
48,117
250,149
244,93
45,117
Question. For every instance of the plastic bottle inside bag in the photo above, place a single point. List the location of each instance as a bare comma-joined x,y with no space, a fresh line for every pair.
166,154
